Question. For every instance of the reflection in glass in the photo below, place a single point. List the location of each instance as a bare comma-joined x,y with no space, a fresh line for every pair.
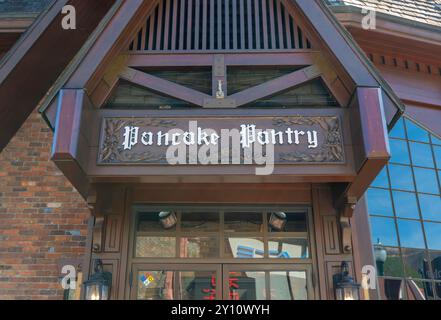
384,229
155,247
247,285
426,180
398,130
437,152
155,285
379,202
436,140
416,264
411,234
295,222
421,155
419,290
199,247
288,248
290,285
433,235
149,222
244,248
399,152
382,180
415,132
435,258
243,222
196,285
430,207
392,265
391,289
405,204
200,221
401,177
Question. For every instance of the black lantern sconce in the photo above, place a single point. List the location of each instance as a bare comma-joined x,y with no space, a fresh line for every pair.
168,219
345,286
277,220
99,284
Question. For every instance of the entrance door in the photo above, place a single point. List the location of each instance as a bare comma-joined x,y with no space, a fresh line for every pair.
221,281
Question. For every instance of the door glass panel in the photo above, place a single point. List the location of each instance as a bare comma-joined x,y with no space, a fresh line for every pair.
199,247
200,221
244,248
247,285
243,222
197,285
155,247
288,248
155,285
288,285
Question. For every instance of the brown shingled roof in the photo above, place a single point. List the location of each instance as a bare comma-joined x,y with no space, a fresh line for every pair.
424,11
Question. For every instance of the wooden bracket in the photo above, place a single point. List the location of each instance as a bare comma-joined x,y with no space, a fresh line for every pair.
346,212
98,235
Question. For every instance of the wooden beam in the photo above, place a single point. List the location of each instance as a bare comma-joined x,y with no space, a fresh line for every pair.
277,85
163,86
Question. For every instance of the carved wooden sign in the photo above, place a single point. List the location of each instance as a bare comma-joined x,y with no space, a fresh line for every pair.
221,141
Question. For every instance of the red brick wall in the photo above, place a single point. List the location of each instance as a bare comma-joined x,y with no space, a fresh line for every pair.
42,217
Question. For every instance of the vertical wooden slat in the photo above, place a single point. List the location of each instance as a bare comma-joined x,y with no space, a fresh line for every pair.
159,29
296,33
174,24
250,24
135,41
211,24
167,24
144,36
287,30
189,24
204,24
234,24
242,25
264,25
227,24
197,22
272,25
181,25
257,19
152,30
219,24
280,25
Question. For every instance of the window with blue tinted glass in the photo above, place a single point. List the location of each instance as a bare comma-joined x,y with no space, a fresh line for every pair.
399,152
437,152
411,234
401,177
384,230
405,204
382,180
398,130
379,202
415,132
433,235
435,140
426,180
421,155
430,207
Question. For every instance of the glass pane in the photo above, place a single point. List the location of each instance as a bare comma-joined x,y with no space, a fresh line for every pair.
200,221
247,285
149,222
411,234
401,177
416,133
383,229
416,264
288,248
389,264
155,247
430,207
433,235
437,152
199,247
155,285
244,248
405,204
436,140
243,222
379,202
382,180
398,130
196,285
421,155
391,289
435,258
288,285
419,290
399,152
295,222
426,181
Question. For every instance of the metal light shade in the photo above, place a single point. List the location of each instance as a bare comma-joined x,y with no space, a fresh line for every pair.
168,219
98,285
277,220
345,286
